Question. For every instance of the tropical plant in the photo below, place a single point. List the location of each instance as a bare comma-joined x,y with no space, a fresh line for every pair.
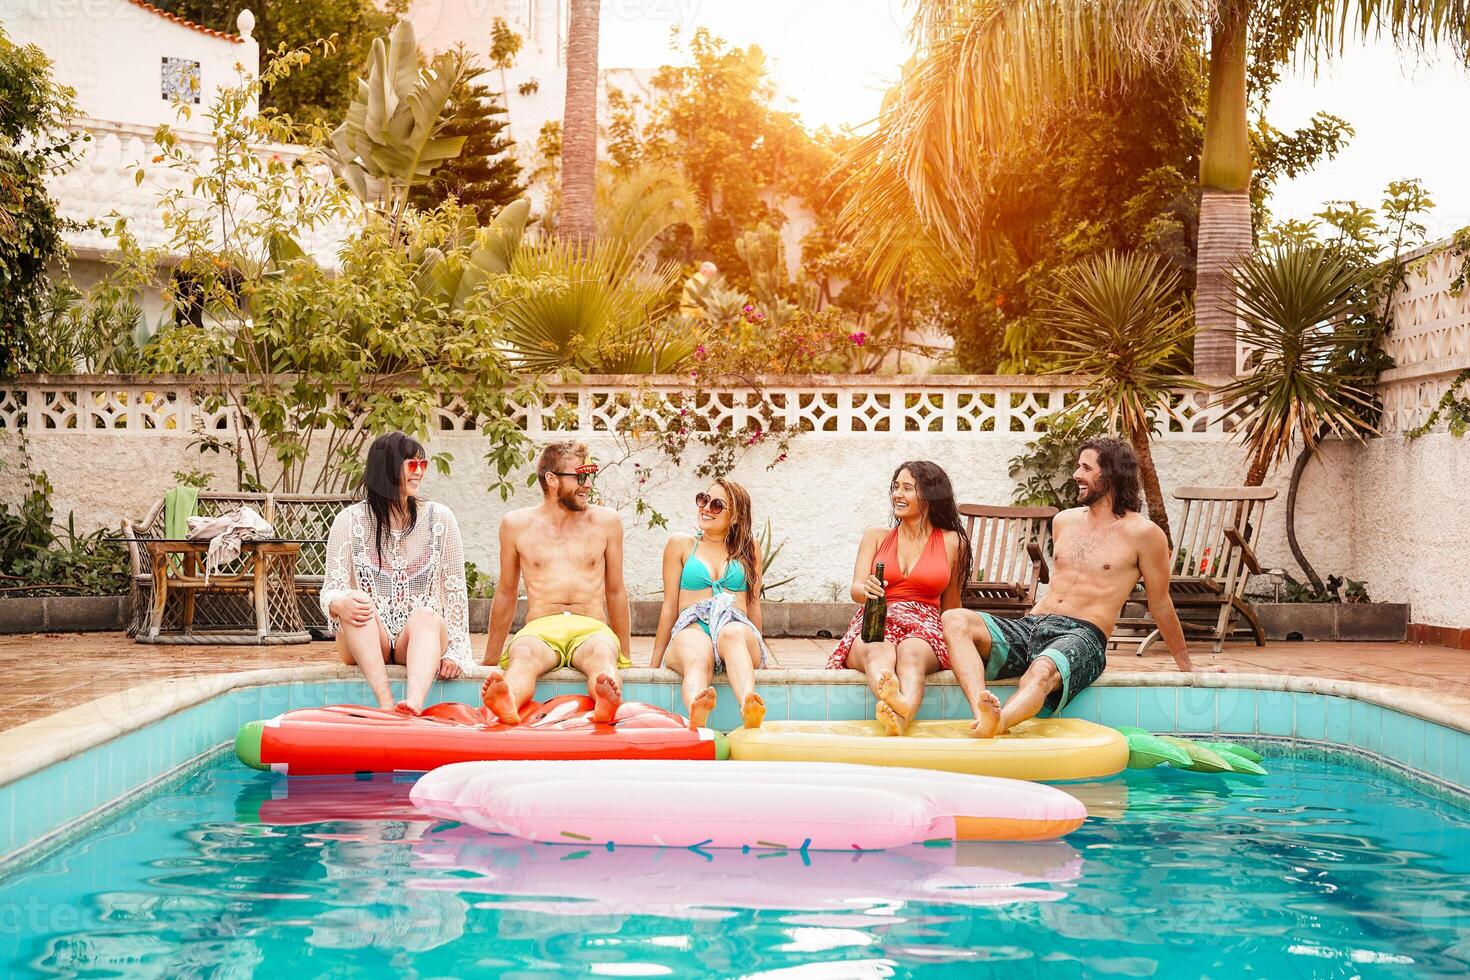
1120,323
639,208
34,143
485,174
577,221
393,135
35,559
593,307
985,69
769,553
1299,308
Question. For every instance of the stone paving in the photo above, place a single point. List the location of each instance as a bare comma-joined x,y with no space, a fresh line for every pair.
51,672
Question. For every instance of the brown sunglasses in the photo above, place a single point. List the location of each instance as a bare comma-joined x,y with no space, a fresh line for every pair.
714,504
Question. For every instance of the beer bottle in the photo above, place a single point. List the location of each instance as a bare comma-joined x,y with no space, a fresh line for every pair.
875,613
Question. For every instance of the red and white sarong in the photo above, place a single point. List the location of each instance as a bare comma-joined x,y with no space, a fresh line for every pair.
905,619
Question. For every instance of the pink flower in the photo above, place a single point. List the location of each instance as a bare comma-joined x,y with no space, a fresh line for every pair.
858,338
700,353
747,308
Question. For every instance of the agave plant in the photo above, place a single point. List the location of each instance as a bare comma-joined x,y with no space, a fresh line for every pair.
391,138
1300,307
1119,323
593,308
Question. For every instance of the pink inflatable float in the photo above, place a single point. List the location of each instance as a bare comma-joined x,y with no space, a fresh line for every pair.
696,884
772,805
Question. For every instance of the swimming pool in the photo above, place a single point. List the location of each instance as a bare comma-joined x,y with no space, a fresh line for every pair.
1326,867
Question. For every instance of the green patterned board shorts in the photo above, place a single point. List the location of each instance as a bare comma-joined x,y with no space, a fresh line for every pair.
1078,648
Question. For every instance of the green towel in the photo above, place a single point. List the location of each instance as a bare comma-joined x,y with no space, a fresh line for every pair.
178,507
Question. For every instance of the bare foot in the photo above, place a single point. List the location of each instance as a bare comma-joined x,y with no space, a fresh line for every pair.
753,711
987,716
496,695
889,693
404,708
893,722
700,708
607,694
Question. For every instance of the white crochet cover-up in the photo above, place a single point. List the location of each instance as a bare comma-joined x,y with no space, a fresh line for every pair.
424,569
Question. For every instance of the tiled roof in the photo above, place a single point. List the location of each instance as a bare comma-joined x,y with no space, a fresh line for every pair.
233,38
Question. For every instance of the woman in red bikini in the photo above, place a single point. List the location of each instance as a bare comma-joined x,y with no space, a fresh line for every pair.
925,557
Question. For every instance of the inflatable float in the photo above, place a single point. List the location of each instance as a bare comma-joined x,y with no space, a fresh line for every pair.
1146,750
712,884
348,738
756,805
1046,749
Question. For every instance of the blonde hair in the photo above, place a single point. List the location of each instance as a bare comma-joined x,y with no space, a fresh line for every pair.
555,456
740,538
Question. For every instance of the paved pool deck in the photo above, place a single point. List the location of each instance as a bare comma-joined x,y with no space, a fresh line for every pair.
49,673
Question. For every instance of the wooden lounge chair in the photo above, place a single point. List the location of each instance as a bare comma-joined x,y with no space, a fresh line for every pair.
1009,545
1214,556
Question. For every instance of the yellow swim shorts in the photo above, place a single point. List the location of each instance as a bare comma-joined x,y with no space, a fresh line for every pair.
564,633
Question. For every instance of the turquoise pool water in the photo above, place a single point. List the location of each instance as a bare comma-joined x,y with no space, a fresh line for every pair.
1323,868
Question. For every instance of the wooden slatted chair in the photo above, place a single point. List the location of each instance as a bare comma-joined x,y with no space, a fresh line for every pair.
1009,545
1214,556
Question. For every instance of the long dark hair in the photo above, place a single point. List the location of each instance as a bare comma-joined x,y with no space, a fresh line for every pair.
382,477
1119,472
939,504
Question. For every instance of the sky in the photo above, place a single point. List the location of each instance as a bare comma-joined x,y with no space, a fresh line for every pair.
834,58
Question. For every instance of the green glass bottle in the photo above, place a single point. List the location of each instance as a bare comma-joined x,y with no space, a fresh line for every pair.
875,613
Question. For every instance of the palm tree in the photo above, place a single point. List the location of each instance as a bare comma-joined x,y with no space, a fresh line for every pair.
1300,307
1120,324
579,124
986,67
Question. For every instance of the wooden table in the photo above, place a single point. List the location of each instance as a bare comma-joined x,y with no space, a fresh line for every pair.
269,576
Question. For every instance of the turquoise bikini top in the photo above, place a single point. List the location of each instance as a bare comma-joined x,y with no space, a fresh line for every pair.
696,576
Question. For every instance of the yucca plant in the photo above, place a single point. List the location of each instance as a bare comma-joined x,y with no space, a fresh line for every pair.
1119,322
1299,309
593,308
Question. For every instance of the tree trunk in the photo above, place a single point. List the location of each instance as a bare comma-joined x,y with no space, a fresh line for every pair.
1296,550
579,124
1225,207
1152,492
1256,475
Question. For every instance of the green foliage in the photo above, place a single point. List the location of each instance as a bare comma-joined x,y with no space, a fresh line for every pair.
320,360
641,208
35,559
320,90
1337,588
1295,306
1452,406
395,130
34,143
485,175
1044,470
769,552
478,584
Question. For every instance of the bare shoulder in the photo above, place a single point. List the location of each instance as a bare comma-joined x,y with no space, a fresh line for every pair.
1144,533
606,519
679,544
1068,518
515,522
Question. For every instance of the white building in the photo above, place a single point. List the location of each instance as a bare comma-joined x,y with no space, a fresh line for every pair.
130,63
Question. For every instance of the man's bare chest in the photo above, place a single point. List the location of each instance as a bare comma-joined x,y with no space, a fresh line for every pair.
540,549
1091,552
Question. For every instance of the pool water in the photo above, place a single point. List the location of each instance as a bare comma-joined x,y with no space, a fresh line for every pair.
1323,868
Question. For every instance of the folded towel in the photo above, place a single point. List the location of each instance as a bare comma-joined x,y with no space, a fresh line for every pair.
227,533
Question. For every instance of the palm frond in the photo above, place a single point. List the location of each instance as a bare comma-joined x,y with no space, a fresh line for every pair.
1118,321
637,208
1296,306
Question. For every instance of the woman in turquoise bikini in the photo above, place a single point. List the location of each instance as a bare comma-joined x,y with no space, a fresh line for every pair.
710,621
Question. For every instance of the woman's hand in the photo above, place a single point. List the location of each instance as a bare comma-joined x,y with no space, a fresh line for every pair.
354,610
449,670
873,587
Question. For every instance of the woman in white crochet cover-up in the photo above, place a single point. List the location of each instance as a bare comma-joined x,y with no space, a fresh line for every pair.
394,589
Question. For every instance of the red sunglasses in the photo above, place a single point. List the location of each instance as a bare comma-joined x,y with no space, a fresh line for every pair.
416,465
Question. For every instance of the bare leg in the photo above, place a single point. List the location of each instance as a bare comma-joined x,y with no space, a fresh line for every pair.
873,659
905,692
741,653
506,694
1040,679
598,659
692,656
969,651
423,641
367,646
